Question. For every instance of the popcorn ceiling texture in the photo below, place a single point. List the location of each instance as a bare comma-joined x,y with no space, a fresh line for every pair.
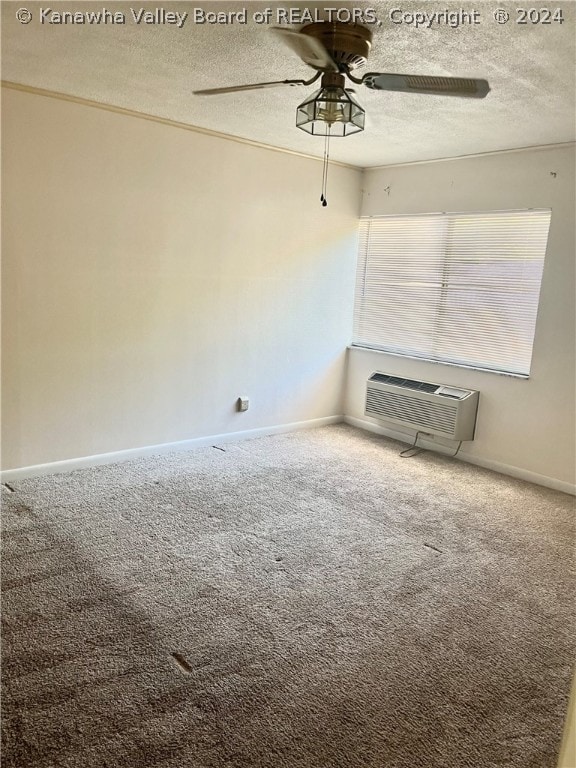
310,600
154,69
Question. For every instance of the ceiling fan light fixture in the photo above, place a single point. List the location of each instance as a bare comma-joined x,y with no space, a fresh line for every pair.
331,110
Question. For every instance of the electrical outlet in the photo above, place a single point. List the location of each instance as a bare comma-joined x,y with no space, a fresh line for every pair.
243,403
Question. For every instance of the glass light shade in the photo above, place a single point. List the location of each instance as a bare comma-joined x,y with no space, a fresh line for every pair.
331,111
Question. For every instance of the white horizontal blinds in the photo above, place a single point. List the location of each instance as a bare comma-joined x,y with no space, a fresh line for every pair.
400,271
459,288
494,268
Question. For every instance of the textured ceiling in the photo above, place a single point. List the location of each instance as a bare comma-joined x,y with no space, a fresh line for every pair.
153,68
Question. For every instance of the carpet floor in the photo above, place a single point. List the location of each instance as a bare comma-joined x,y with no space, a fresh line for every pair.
308,600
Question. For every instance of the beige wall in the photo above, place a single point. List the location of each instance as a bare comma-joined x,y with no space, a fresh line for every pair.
528,425
151,275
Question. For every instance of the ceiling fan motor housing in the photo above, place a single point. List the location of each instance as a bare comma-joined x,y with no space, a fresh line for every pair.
333,80
347,44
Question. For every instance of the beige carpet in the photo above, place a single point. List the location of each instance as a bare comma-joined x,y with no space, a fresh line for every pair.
309,600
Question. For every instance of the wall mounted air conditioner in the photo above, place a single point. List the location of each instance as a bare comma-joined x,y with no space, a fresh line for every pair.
436,409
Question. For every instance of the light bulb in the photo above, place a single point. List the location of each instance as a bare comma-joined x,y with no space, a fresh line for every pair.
331,112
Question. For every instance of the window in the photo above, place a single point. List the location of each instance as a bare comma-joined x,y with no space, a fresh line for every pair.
453,288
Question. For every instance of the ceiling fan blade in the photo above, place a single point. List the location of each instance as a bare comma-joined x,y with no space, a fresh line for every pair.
439,86
308,48
251,87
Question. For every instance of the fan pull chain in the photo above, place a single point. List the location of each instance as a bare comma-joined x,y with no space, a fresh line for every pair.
323,199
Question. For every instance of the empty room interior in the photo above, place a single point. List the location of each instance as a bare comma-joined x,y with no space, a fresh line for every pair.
288,385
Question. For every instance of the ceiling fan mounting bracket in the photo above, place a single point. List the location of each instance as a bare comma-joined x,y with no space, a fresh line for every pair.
348,44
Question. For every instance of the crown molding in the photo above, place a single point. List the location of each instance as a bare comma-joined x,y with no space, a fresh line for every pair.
535,148
165,121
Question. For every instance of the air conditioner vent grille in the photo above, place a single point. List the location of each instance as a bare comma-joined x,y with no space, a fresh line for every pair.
435,416
419,386
440,409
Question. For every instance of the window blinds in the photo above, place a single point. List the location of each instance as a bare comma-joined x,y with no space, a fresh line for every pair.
455,288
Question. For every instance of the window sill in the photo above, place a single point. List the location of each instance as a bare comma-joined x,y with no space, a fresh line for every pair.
521,376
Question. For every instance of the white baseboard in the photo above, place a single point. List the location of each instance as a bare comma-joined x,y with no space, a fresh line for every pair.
496,466
56,467
68,465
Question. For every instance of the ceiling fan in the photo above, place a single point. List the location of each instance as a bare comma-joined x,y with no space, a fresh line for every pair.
335,49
